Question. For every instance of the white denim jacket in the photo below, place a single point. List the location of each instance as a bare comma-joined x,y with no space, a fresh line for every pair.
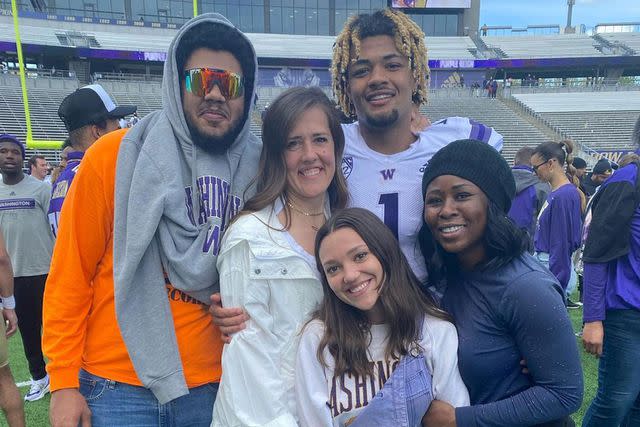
261,272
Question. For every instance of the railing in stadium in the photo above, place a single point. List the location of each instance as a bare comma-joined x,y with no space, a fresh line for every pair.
127,77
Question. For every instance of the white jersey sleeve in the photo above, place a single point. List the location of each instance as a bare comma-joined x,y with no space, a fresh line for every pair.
390,185
465,128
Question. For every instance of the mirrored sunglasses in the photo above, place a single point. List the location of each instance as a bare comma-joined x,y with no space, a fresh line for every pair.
200,81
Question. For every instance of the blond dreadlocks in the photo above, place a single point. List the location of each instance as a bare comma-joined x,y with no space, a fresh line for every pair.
409,40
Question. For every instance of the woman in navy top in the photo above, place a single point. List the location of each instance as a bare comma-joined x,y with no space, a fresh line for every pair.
559,229
505,305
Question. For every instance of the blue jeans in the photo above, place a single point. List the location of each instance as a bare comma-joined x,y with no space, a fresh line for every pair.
543,258
118,404
573,281
617,400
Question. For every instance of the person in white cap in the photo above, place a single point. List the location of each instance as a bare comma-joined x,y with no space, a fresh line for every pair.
91,110
88,113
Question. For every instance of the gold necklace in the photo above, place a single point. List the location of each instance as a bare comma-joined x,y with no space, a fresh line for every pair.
297,209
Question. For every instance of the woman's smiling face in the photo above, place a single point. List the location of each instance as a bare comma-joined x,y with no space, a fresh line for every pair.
353,272
456,212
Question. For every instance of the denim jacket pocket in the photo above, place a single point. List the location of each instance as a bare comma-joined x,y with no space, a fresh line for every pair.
418,384
418,388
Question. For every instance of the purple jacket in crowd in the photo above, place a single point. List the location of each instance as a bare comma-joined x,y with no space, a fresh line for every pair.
559,230
61,187
612,250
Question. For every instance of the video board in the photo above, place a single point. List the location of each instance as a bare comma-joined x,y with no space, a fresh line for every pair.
430,4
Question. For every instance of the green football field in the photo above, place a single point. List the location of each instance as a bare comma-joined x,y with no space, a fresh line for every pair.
37,413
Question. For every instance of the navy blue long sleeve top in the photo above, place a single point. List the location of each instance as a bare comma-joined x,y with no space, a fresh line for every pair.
505,315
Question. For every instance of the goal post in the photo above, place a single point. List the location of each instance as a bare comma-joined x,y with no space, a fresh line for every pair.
31,142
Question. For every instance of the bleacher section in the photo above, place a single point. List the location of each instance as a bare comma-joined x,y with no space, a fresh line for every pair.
51,33
516,131
450,47
630,40
552,46
43,106
127,38
601,121
443,103
44,102
43,32
146,96
598,130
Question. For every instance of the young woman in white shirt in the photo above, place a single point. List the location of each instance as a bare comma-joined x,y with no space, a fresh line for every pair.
372,315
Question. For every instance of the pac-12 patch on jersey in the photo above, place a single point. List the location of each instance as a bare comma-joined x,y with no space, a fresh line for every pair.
347,166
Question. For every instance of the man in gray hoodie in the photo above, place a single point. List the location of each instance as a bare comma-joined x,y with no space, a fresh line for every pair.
126,329
531,193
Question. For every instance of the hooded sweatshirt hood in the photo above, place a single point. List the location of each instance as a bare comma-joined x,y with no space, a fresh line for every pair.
524,177
531,194
171,88
172,97
173,201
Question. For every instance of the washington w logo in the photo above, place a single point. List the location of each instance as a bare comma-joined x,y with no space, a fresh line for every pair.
347,166
387,174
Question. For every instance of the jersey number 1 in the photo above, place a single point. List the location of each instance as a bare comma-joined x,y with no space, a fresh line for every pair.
390,203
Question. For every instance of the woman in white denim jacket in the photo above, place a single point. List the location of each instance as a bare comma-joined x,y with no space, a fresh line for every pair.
267,263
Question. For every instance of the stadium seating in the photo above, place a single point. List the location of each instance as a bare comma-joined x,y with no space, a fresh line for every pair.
630,40
602,121
517,132
146,96
451,47
128,38
551,46
52,33
157,40
598,120
44,102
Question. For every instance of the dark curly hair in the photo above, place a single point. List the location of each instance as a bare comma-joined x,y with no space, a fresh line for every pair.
408,38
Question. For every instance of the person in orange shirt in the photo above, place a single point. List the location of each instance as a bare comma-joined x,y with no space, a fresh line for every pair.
126,327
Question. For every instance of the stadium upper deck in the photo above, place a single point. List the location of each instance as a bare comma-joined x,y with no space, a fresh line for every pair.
153,42
91,47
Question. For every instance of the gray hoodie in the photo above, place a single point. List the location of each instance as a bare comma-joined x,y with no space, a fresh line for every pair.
160,228
525,178
530,196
